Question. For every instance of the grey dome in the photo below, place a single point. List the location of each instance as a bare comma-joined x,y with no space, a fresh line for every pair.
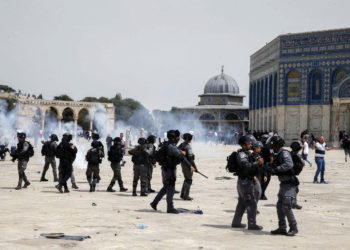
221,84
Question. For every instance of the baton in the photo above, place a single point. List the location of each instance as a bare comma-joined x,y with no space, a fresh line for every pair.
201,174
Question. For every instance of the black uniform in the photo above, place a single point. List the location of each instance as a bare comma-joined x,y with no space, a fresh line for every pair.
22,155
174,157
283,165
94,158
265,153
66,152
140,158
186,186
245,187
49,151
115,155
151,163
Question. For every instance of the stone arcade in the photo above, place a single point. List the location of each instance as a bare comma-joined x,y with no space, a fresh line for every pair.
27,108
302,81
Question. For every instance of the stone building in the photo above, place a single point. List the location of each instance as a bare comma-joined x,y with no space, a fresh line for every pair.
302,81
50,114
220,107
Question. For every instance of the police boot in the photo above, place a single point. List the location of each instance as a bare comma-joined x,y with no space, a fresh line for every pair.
121,186
134,191
110,188
172,211
94,184
255,227
75,186
238,225
143,194
66,190
26,184
297,206
279,231
55,179
292,231
59,188
43,176
19,186
154,205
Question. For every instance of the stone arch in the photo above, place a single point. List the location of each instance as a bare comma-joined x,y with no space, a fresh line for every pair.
232,116
338,75
344,88
100,121
50,121
206,116
293,79
68,115
315,83
84,118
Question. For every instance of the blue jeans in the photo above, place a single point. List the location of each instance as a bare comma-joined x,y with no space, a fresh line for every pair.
320,168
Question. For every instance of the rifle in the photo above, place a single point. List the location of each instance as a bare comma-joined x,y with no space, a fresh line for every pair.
201,174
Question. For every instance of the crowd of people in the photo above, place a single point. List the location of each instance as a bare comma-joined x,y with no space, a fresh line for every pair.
261,156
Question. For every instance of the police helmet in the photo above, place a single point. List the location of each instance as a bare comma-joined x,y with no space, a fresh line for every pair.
173,134
187,136
257,144
264,138
252,138
117,140
21,134
95,136
67,136
296,145
53,137
141,141
276,140
151,139
244,139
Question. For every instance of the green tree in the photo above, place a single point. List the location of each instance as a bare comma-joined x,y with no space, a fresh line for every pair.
7,89
11,103
63,98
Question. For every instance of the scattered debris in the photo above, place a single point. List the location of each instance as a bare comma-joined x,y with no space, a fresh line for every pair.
64,237
223,178
185,210
138,217
94,204
141,226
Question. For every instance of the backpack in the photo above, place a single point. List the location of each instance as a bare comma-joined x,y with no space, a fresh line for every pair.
30,151
160,155
93,156
115,154
232,165
45,150
298,164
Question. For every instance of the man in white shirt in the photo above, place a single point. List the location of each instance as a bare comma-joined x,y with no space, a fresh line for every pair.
320,152
305,151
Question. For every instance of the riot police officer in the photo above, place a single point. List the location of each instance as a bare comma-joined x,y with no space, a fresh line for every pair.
22,153
49,151
283,166
245,185
186,147
66,152
115,155
173,157
151,140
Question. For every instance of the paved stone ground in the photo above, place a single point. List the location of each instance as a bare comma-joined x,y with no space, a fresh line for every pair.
324,221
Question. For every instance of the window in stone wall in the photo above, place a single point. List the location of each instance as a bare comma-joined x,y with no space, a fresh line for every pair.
293,86
315,83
